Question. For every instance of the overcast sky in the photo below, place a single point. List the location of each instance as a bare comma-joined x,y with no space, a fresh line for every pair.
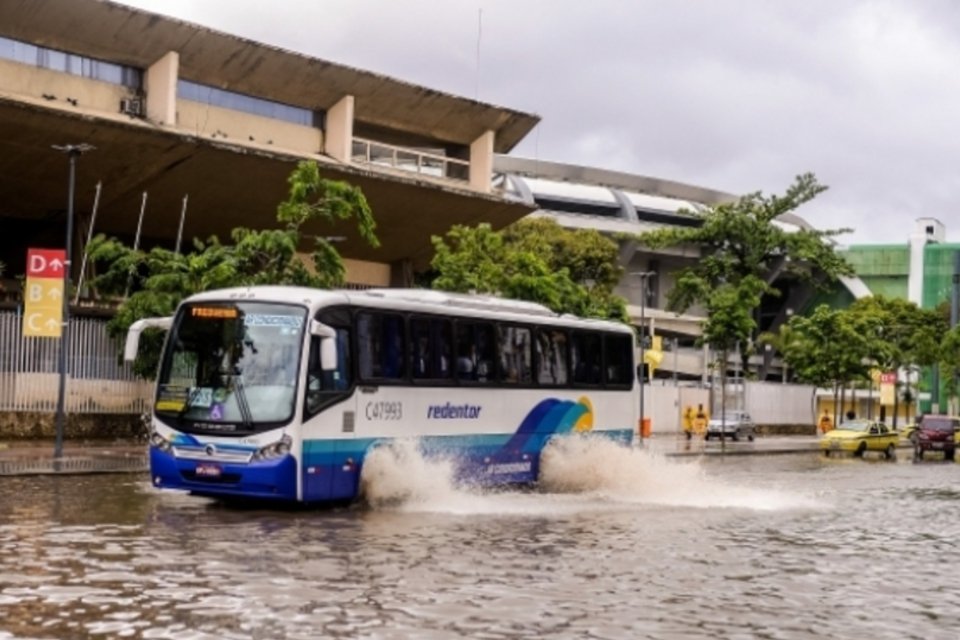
735,95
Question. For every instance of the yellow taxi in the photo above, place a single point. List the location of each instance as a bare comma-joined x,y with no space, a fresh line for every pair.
909,431
859,436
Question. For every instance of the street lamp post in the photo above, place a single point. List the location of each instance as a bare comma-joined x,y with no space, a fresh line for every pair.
73,151
643,275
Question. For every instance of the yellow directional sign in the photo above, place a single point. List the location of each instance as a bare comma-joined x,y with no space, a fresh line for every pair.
43,294
45,323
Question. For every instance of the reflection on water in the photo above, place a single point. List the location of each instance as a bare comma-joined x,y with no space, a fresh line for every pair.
618,544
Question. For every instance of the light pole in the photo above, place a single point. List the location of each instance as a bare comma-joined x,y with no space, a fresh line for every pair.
643,275
73,151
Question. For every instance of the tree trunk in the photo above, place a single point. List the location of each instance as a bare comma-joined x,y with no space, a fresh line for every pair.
843,405
723,400
836,403
896,402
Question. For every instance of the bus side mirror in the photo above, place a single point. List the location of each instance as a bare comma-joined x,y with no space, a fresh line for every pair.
328,344
132,344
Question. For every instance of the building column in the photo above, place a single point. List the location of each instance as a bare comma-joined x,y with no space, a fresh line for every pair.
481,162
160,83
338,137
401,273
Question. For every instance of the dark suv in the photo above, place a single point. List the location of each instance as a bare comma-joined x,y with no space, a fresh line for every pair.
936,433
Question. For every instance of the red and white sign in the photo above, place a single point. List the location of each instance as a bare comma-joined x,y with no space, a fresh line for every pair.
888,377
46,263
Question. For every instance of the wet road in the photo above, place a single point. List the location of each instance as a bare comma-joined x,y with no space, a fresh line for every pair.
620,544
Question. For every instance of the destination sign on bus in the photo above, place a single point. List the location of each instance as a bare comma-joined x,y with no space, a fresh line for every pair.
213,312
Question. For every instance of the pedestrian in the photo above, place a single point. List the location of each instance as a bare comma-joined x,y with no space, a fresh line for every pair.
700,421
826,422
688,418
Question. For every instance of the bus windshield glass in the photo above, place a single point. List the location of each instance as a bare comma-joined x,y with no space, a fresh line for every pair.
231,367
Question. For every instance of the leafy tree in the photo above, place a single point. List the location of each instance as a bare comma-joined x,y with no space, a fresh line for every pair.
907,336
831,348
741,246
161,278
533,259
950,362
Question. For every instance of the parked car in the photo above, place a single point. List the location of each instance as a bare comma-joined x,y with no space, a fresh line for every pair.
731,424
909,432
937,433
859,436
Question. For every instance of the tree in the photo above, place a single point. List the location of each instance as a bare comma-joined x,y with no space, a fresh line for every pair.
161,278
569,271
741,246
907,336
831,348
950,362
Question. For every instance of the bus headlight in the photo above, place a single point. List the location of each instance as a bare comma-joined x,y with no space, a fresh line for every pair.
158,441
277,449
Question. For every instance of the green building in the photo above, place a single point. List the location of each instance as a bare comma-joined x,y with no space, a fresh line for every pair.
921,270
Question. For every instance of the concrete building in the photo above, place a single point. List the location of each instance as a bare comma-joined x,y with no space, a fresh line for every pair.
175,109
619,205
920,270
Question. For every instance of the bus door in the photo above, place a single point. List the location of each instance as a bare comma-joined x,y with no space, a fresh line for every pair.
329,415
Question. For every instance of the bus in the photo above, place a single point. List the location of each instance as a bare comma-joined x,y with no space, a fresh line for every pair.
282,392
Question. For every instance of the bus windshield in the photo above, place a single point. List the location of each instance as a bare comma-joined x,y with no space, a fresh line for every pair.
231,367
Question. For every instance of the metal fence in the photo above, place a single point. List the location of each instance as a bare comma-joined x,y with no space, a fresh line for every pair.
97,382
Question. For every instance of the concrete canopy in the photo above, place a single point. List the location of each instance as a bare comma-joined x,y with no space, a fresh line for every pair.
228,185
122,34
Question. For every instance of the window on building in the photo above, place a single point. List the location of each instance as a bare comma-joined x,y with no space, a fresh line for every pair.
71,63
196,92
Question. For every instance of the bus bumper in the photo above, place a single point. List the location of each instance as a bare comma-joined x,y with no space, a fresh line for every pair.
270,479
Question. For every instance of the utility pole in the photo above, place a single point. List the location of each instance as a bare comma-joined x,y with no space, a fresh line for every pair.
73,152
643,275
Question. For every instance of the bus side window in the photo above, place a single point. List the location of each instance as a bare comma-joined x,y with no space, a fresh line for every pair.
380,345
618,356
552,357
515,356
314,391
320,383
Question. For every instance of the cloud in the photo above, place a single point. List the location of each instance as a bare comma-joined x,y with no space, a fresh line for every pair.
737,95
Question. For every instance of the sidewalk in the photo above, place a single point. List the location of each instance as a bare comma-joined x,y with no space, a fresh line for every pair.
676,445
92,456
36,457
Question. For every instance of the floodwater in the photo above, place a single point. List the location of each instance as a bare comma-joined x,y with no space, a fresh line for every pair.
618,544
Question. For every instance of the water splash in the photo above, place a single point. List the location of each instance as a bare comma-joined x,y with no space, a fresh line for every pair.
614,473
577,474
398,473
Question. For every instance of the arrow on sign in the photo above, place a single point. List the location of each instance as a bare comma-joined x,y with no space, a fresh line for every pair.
51,324
56,265
56,294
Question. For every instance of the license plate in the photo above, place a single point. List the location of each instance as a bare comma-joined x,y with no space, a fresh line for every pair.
208,470
938,445
834,445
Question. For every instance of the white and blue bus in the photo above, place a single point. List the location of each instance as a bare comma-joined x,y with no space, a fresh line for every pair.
281,392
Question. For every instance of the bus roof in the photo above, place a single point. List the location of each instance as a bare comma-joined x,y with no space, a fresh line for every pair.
411,300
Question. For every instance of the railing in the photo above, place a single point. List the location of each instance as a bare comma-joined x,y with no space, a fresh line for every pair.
406,159
96,382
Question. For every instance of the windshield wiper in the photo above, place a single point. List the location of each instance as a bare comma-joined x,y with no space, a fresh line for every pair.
241,394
